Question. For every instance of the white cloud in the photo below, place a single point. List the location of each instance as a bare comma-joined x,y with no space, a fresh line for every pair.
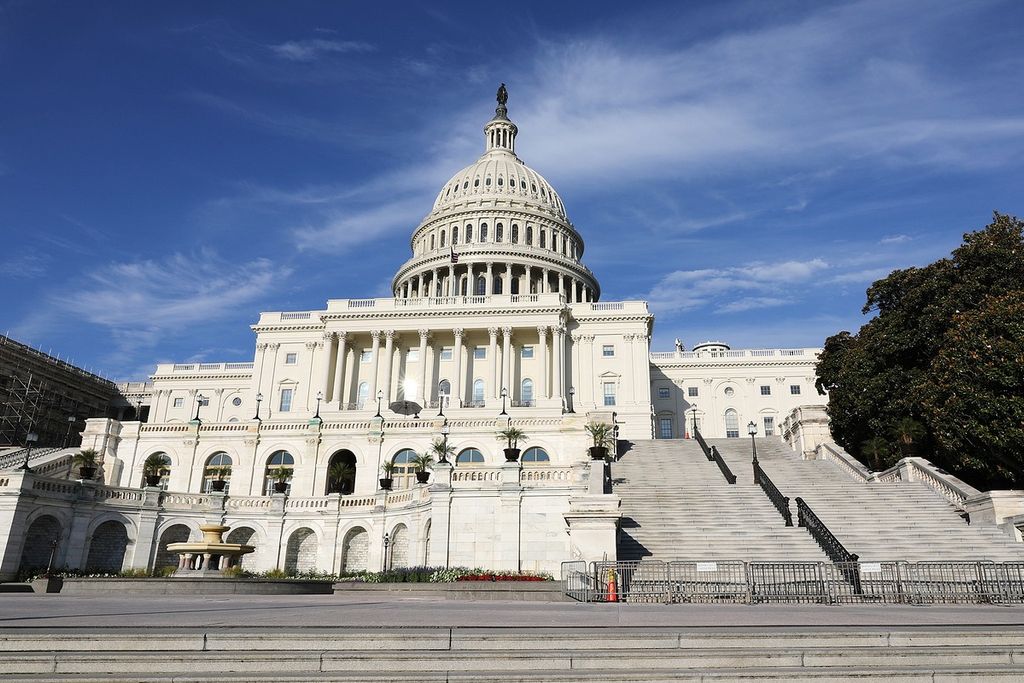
895,239
753,303
24,265
314,48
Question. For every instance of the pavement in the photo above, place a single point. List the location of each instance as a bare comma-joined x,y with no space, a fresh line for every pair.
54,611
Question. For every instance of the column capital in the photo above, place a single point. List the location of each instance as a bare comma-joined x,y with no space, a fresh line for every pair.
310,345
389,334
274,346
493,331
328,336
458,332
375,335
542,330
342,335
424,334
507,331
262,346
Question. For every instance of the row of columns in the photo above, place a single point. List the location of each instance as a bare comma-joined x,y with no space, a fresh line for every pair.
447,281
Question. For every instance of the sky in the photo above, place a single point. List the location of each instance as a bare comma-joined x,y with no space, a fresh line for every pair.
169,170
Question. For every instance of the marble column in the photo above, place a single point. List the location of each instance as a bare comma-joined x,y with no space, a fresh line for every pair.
558,364
506,361
326,377
495,378
374,358
488,286
389,361
339,370
545,287
542,381
451,280
457,358
425,382
506,287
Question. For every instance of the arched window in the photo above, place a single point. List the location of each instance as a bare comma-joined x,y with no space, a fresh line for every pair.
543,239
526,393
444,391
362,394
455,235
496,285
536,454
488,182
431,241
732,424
341,472
500,181
469,456
280,460
478,392
476,183
515,234
464,286
469,234
165,470
443,238
480,288
499,230
218,468
483,232
529,235
405,472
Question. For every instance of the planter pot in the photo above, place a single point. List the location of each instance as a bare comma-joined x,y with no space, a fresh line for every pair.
511,454
153,480
48,584
280,487
422,477
598,452
86,472
219,484
386,483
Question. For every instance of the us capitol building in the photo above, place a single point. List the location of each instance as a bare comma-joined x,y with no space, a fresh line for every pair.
494,321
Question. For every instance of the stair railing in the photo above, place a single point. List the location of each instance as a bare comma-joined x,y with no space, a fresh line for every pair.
703,444
780,501
836,551
717,457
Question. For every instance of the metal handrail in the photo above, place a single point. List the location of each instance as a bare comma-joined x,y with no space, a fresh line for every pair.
726,472
703,444
836,551
780,501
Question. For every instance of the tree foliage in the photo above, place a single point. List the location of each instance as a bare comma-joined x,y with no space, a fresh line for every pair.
939,370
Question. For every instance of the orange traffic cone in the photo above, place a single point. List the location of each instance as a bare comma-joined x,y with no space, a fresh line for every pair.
613,588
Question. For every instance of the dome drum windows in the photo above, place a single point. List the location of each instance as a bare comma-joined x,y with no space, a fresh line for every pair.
499,230
483,232
469,233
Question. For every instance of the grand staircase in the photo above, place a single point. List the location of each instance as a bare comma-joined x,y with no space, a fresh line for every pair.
903,520
677,505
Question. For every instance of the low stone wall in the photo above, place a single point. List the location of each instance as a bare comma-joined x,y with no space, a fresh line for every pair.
184,586
535,591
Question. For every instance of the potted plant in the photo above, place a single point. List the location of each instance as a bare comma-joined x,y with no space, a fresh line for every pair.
86,462
281,475
422,462
219,483
152,469
442,449
512,435
341,475
387,469
601,433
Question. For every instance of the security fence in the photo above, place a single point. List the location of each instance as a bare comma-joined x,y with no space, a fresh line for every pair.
736,581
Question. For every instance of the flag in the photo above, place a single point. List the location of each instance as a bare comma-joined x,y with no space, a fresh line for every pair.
455,257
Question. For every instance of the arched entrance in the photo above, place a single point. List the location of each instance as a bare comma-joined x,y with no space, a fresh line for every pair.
44,531
107,548
354,550
341,472
300,555
177,533
242,535
399,547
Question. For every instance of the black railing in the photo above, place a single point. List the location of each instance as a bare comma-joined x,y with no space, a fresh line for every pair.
780,501
703,444
726,472
828,542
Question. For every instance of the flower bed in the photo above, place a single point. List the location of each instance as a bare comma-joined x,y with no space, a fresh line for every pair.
502,577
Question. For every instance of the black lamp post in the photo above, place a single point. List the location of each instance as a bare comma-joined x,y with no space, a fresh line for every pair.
572,399
380,397
445,430
752,430
199,404
387,542
319,397
504,395
693,406
71,423
138,410
30,439
440,400
259,399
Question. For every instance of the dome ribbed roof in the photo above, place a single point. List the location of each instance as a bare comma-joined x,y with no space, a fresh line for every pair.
500,175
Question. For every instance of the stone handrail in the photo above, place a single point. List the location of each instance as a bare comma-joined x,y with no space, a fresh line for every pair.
731,354
170,368
184,501
475,475
846,462
556,476
955,490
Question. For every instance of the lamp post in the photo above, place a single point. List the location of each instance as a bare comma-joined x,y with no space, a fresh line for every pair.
440,399
445,431
504,395
138,410
387,542
572,399
319,397
752,430
380,445
30,439
199,404
71,423
380,397
693,406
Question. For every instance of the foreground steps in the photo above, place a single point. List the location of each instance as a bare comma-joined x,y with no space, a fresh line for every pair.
923,653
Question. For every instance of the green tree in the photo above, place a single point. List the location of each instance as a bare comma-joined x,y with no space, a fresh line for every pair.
888,374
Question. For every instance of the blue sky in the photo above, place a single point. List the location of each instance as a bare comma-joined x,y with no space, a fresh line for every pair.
167,171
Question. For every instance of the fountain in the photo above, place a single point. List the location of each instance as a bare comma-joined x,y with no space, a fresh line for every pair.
209,557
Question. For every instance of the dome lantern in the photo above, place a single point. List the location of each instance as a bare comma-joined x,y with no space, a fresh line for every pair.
500,132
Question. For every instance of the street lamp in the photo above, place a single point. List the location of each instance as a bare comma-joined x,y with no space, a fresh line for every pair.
380,445
445,430
752,430
440,399
319,397
30,439
387,542
71,423
504,395
572,399
259,399
380,397
693,406
199,404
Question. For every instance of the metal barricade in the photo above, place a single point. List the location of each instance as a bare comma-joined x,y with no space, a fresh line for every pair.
708,581
933,583
643,581
1004,582
786,582
576,581
857,582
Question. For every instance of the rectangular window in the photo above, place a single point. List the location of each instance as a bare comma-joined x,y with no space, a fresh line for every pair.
794,389
663,392
479,352
766,390
286,400
446,353
179,403
609,393
608,350
365,356
691,391
769,426
527,352
665,427
413,355
290,358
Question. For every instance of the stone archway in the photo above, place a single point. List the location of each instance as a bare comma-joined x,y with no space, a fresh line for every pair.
399,547
341,472
354,550
242,535
39,538
177,533
300,555
107,547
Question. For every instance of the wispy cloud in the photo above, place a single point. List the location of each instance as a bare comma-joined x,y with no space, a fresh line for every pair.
313,48
895,239
24,265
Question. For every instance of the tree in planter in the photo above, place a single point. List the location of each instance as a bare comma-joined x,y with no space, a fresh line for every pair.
512,436
442,450
280,476
422,462
153,468
341,475
601,434
86,460
387,470
219,483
